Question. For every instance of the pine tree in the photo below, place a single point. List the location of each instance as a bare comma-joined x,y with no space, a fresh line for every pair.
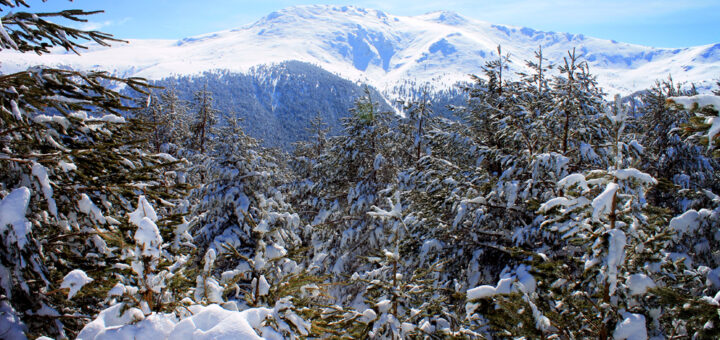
576,100
600,283
169,121
70,176
205,119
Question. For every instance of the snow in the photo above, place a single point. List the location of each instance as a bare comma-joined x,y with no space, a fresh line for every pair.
206,323
111,118
639,284
12,213
11,327
166,157
66,167
615,257
274,251
541,321
511,192
602,204
503,287
688,222
209,260
637,146
477,200
74,281
564,202
147,236
117,290
704,100
631,328
40,172
384,305
6,39
209,289
263,286
55,119
714,129
525,280
395,212
213,322
144,209
701,100
16,110
118,322
624,174
574,180
89,208
368,316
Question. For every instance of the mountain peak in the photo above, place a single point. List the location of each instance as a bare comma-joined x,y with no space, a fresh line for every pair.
320,11
444,17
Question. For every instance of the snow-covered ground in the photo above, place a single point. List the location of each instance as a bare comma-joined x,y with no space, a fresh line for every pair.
385,50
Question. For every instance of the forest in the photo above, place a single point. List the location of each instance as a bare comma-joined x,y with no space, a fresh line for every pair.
540,210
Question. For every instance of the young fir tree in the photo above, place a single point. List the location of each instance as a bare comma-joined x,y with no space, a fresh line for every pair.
204,121
346,182
169,121
576,100
306,153
419,120
249,234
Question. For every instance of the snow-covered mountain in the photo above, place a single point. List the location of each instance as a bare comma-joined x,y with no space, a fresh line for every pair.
385,50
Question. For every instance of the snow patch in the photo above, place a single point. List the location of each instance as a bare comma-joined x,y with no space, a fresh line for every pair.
638,175
40,172
615,257
89,208
144,209
148,238
574,180
111,118
631,328
206,323
639,284
602,204
503,287
74,281
12,213
688,222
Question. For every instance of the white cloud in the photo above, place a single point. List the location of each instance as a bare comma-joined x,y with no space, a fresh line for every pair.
99,25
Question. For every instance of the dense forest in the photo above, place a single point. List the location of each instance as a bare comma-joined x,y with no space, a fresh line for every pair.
541,210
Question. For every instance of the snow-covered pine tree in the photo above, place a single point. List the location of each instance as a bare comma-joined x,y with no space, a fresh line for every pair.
69,177
346,183
600,283
576,100
169,121
681,167
306,153
419,119
249,234
204,120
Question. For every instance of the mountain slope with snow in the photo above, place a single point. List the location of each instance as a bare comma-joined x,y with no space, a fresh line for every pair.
383,50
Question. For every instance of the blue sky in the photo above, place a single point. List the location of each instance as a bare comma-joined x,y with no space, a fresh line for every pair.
659,23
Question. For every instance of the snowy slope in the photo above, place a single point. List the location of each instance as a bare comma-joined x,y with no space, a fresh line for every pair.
382,49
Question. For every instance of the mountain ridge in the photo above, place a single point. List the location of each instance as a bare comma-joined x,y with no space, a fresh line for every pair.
383,50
